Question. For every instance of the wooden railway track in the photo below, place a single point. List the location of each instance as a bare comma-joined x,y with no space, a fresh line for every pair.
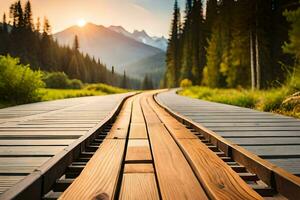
146,151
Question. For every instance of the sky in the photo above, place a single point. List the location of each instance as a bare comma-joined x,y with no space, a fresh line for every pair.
153,16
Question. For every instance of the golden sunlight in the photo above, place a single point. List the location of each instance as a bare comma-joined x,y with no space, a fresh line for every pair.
81,23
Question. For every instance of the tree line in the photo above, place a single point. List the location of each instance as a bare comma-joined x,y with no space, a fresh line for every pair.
34,45
232,43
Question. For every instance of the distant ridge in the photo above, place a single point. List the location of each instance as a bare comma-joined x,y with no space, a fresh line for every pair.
117,47
142,36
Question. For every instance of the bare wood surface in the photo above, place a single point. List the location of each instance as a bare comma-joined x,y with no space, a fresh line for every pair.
136,186
266,134
138,168
175,176
138,151
99,178
219,180
32,134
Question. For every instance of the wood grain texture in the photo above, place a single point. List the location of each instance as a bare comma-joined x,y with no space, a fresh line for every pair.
266,134
175,176
138,131
218,179
121,125
138,151
99,177
138,168
139,186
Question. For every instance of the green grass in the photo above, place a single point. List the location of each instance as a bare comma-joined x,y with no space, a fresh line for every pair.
263,100
89,90
46,94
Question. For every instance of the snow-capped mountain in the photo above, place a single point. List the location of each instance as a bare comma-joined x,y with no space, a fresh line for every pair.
142,36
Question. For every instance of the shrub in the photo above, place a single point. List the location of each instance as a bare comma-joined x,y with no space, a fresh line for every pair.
18,83
271,100
75,84
57,80
185,83
105,88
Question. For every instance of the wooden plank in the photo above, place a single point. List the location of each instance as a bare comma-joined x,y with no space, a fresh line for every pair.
138,151
99,178
254,124
29,151
138,131
219,180
121,125
42,142
8,181
138,168
259,134
266,141
274,128
139,186
137,115
275,151
175,176
290,164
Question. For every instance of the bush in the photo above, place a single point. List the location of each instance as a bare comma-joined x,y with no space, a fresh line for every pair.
18,83
58,80
105,88
75,84
185,83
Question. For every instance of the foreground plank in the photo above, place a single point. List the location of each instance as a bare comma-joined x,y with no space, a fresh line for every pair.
175,176
138,151
138,168
99,178
136,186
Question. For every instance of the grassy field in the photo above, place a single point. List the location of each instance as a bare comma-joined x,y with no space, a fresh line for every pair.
89,90
275,100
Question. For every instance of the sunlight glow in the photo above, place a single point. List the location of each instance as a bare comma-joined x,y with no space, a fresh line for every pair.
81,23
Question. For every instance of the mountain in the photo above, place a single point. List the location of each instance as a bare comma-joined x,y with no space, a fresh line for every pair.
154,66
142,36
111,47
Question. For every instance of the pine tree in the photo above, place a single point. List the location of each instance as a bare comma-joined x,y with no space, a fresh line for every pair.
4,24
124,81
198,42
147,83
172,55
76,43
210,17
28,22
186,44
212,74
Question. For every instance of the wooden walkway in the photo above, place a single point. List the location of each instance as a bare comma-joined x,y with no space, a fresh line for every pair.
155,157
273,137
141,150
30,135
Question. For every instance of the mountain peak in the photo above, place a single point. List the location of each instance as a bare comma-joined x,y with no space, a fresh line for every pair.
141,33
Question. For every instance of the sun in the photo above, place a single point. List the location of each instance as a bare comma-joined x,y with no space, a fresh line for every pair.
81,23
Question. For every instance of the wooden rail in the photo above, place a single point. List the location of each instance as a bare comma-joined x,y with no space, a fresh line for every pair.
280,180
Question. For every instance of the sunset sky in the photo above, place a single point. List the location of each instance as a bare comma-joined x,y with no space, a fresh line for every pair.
154,16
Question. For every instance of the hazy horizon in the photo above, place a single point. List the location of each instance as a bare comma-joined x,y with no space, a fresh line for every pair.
153,16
